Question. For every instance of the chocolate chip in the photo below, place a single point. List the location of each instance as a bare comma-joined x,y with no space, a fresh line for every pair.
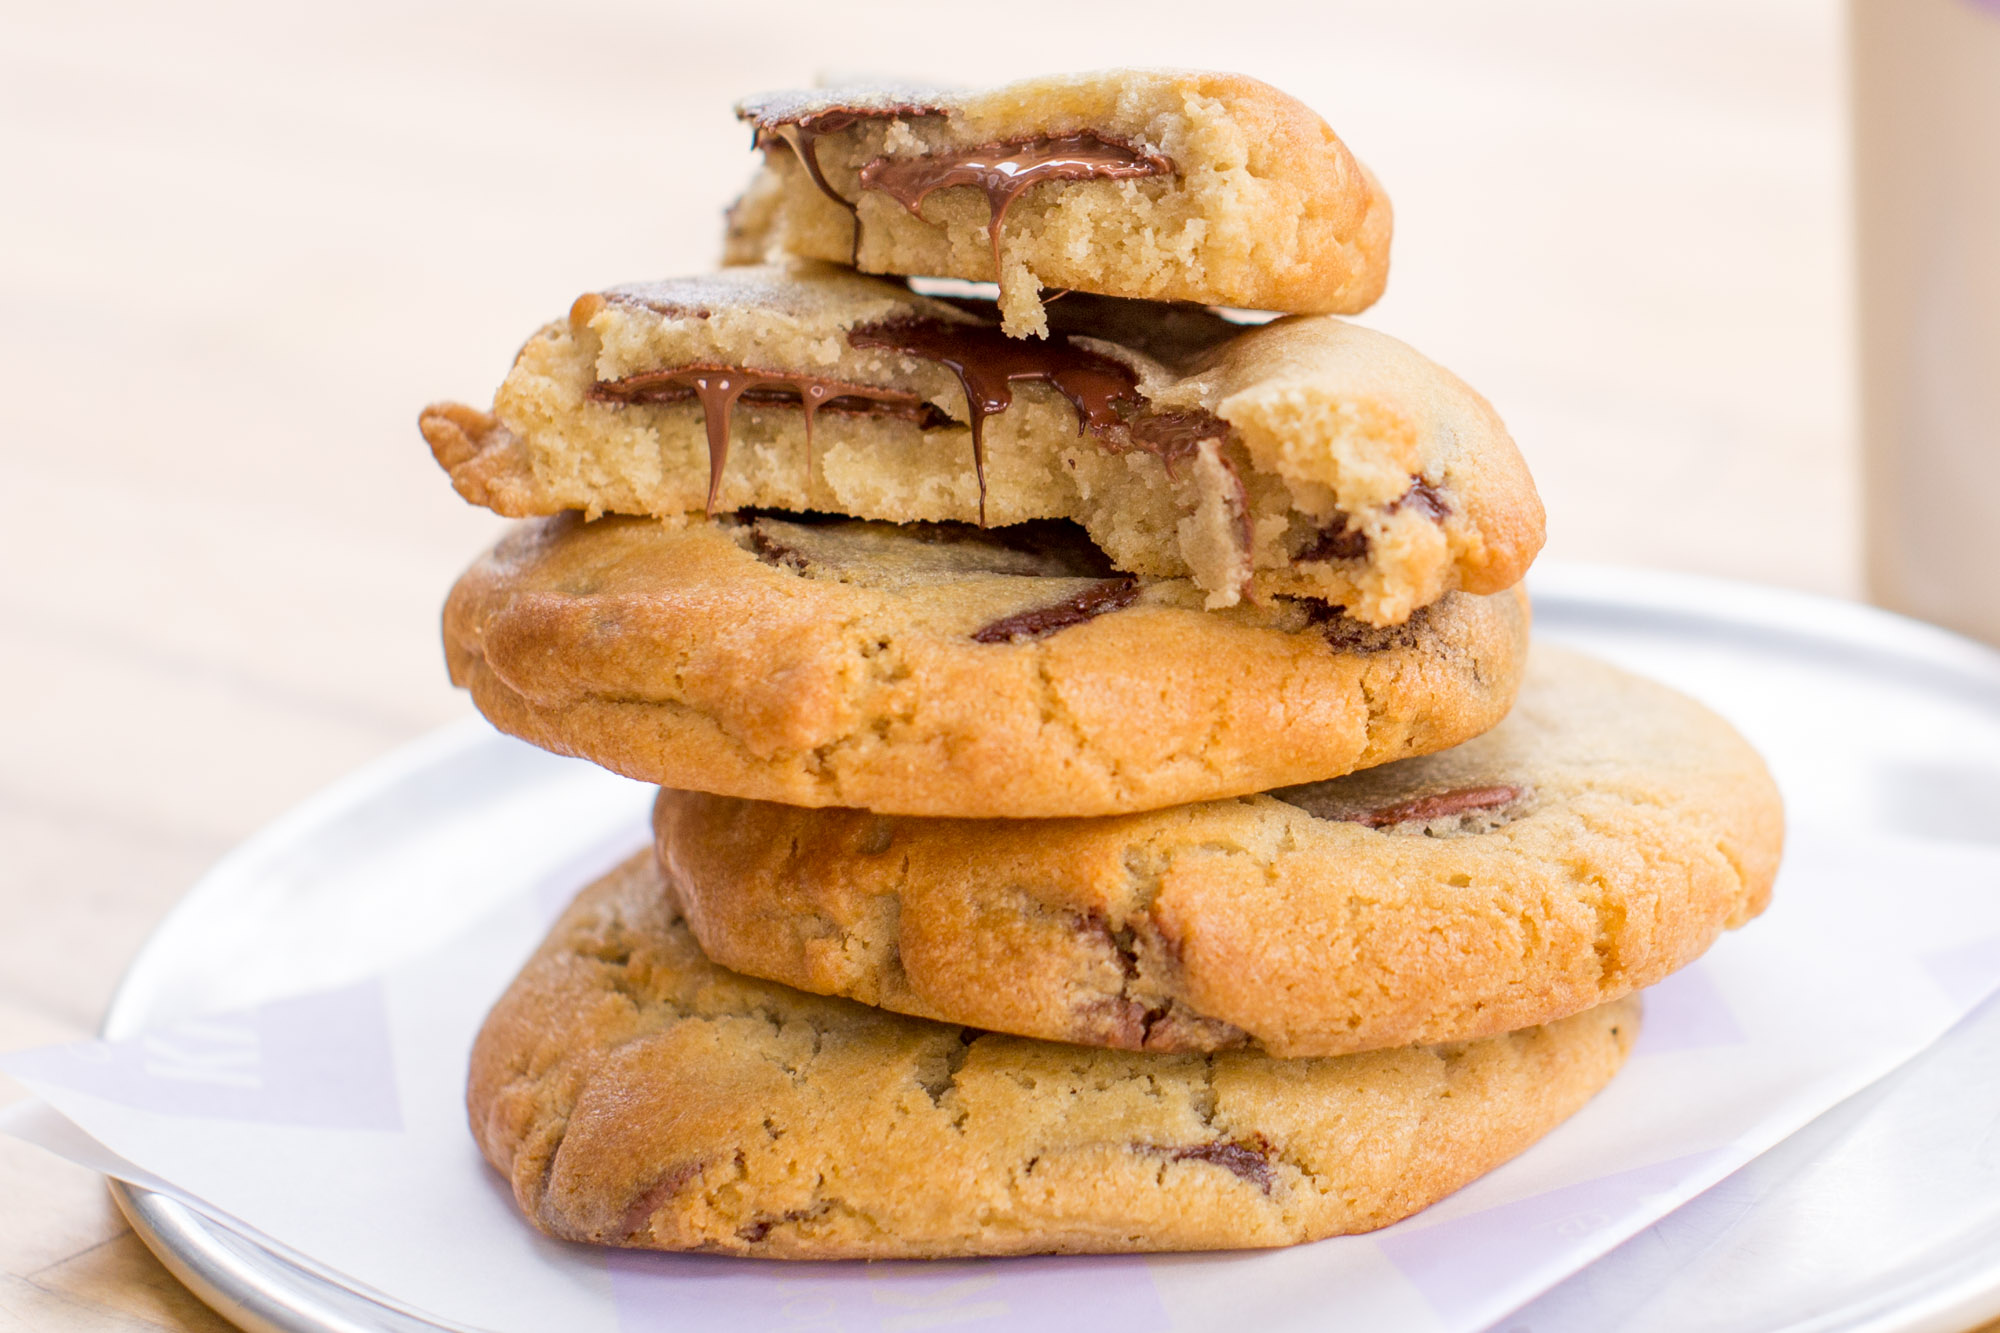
763,1226
1092,602
1424,498
655,1196
1327,801
1346,634
1113,1021
1248,1161
1338,540
1438,805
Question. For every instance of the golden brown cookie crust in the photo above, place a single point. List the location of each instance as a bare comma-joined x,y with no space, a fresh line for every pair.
1589,845
633,1093
1264,206
676,655
1344,465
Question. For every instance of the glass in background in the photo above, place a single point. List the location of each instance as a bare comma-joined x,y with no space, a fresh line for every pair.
1926,99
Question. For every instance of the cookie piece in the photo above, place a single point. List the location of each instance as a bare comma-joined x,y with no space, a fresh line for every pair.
633,1093
1156,184
943,669
1305,457
1595,841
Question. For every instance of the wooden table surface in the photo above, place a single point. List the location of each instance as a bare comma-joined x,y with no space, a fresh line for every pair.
243,243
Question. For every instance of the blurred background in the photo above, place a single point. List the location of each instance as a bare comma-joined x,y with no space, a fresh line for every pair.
243,244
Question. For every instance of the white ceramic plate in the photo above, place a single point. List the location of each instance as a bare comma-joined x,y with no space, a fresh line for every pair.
1883,1215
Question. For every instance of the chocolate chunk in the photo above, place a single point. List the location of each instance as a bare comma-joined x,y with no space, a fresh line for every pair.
763,1226
654,1197
1438,805
1345,634
1327,801
1113,1021
1338,540
769,545
719,388
1125,1023
1173,436
1003,170
1424,498
1177,1029
1094,601
1248,1161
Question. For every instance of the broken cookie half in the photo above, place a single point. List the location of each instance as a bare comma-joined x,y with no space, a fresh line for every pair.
1304,457
1155,184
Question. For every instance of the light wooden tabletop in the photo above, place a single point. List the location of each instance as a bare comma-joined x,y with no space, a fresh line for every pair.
244,243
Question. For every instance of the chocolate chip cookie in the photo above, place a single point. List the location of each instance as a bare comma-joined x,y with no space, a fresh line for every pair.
1596,840
1157,184
1306,457
943,669
633,1093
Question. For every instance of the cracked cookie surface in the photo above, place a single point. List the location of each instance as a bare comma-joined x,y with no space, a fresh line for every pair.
1596,840
942,669
634,1093
1306,457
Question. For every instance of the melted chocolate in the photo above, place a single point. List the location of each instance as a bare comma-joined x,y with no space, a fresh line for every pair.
987,362
801,131
1104,391
1094,601
719,388
802,136
1003,170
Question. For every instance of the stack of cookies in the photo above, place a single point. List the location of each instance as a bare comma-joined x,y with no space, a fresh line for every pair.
1108,801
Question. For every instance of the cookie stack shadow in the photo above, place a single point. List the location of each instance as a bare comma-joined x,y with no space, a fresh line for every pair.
1108,801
